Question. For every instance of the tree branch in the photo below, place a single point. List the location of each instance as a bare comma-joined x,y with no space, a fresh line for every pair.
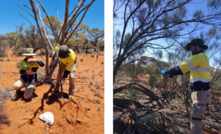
50,23
65,23
26,11
44,29
27,6
58,16
26,19
73,17
80,21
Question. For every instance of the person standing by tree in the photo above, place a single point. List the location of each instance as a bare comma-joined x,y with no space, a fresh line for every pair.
198,65
67,66
28,75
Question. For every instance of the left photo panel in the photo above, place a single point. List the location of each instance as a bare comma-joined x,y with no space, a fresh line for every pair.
52,67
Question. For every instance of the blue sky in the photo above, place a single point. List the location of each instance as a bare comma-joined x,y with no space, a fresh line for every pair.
10,18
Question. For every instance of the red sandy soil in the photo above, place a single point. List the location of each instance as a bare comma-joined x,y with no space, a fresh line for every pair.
82,116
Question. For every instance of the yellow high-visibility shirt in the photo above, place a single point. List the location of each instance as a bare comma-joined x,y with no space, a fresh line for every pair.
24,65
69,61
199,68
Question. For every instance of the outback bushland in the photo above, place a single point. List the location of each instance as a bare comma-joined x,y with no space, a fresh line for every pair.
145,102
42,35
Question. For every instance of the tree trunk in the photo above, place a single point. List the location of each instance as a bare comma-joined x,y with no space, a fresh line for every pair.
117,66
53,64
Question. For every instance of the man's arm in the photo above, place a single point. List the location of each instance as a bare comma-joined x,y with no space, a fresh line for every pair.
186,66
41,63
69,67
174,71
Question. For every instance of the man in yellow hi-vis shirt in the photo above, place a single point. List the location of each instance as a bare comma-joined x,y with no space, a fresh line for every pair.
28,76
68,66
198,65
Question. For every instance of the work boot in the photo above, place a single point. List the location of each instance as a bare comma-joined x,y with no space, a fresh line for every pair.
71,92
34,91
14,97
70,97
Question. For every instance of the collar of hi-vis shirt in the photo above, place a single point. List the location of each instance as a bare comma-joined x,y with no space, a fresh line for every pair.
67,59
201,51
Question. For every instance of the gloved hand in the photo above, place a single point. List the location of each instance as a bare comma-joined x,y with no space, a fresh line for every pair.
163,72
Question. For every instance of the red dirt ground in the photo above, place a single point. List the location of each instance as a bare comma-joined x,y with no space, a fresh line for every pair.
82,116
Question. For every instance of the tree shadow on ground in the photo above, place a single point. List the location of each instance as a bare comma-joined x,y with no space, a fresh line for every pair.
52,99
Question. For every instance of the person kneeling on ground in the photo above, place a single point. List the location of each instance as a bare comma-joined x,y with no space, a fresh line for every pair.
67,66
28,77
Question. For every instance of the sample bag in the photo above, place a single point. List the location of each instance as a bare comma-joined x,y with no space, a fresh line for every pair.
48,117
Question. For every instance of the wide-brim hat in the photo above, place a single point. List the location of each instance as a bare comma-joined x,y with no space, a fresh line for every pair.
196,42
63,51
29,52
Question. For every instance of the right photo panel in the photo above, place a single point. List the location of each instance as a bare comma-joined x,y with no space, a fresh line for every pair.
166,67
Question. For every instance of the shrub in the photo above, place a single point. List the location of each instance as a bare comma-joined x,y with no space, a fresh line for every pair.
90,51
92,89
18,64
97,93
152,81
1,59
4,93
8,88
0,72
97,86
91,83
8,59
41,52
3,52
92,76
81,60
102,62
20,51
92,55
98,101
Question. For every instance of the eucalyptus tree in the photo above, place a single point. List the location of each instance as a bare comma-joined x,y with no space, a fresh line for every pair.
29,38
94,36
71,21
12,38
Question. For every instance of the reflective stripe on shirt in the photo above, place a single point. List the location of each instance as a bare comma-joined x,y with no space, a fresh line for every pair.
190,64
198,79
200,70
70,65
